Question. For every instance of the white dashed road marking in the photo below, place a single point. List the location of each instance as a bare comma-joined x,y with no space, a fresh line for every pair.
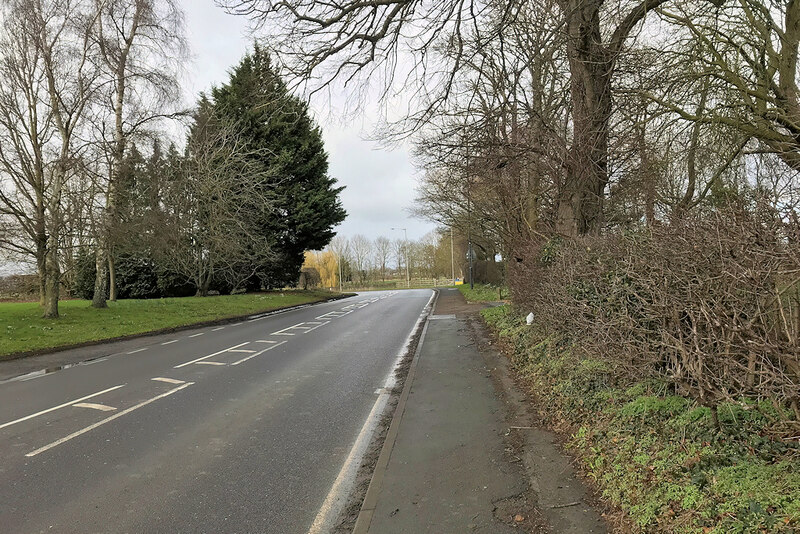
70,403
167,380
259,353
93,406
106,420
210,355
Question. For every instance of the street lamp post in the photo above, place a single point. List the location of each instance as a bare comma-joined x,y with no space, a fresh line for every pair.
405,247
452,258
339,261
469,234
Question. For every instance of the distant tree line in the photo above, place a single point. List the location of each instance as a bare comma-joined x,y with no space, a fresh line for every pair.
368,262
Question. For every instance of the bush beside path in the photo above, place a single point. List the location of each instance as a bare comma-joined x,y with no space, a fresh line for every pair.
657,456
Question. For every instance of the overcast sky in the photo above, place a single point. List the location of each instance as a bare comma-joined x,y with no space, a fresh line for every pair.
379,183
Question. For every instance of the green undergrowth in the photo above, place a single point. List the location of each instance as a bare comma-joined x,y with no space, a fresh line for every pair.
22,328
656,455
483,293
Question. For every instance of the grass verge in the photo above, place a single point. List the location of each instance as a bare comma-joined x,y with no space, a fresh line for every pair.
483,293
655,455
23,330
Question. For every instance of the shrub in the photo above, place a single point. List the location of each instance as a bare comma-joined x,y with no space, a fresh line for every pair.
711,304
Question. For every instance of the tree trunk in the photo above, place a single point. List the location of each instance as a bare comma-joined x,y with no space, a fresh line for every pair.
41,262
52,276
112,279
101,278
580,202
202,289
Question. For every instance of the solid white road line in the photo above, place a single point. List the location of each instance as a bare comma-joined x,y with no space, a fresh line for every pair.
206,362
168,380
210,355
195,335
170,342
70,403
259,353
248,351
106,420
337,496
93,406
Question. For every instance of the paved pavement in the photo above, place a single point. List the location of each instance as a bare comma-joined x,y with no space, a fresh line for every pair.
449,464
238,428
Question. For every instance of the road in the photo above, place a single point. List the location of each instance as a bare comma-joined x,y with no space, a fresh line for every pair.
248,427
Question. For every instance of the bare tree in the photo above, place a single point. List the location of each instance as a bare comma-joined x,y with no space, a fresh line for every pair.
52,81
745,57
223,187
351,40
383,251
340,246
141,45
361,248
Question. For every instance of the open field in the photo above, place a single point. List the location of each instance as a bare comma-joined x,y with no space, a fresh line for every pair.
483,293
23,330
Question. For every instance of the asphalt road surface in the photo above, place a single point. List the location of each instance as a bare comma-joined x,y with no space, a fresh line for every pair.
248,427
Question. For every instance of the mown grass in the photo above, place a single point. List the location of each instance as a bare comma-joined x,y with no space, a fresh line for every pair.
483,293
656,455
22,329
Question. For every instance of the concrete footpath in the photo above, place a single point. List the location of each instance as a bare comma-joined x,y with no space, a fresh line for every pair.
450,464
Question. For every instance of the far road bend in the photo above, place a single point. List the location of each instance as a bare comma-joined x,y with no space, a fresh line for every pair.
237,428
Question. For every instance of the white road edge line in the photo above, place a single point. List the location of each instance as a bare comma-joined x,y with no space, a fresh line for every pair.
210,355
70,403
106,420
336,498
259,353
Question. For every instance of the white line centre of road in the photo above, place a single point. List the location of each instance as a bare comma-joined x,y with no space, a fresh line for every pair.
284,331
210,355
170,342
94,406
106,420
259,352
168,380
70,403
